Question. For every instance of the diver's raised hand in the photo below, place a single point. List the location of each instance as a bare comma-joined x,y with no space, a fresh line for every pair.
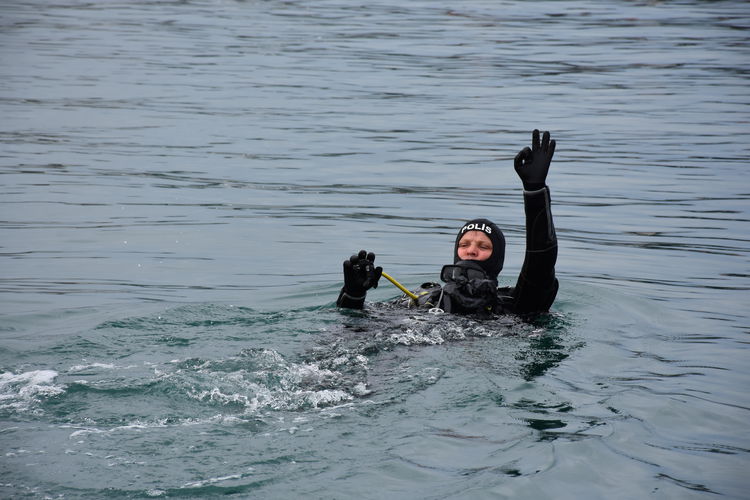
360,274
532,164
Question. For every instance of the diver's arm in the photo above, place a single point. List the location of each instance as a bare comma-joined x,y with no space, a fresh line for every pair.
349,302
360,274
537,286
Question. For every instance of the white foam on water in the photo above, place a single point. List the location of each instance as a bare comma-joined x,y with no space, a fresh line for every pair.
139,425
20,391
361,390
326,397
412,337
274,383
212,480
277,399
80,368
216,395
84,432
35,377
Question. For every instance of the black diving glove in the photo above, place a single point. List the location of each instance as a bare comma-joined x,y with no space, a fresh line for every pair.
360,274
532,164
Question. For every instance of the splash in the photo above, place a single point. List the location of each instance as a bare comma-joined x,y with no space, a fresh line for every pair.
19,392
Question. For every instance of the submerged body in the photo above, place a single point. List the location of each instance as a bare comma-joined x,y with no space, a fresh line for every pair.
536,287
479,253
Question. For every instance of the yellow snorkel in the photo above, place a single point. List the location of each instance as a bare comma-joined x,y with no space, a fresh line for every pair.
399,286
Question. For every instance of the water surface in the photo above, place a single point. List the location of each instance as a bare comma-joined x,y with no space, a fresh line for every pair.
182,180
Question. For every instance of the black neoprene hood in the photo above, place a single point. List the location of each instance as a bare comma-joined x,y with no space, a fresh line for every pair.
494,264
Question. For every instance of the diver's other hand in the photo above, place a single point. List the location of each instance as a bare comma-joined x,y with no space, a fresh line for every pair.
360,273
532,164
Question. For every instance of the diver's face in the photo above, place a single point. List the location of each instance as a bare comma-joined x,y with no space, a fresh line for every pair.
474,245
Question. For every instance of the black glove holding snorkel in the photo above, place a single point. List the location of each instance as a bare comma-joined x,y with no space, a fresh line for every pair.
360,274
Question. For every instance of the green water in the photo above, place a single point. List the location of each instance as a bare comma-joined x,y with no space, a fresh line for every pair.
181,182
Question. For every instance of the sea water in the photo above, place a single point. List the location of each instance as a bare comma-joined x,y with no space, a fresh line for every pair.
181,181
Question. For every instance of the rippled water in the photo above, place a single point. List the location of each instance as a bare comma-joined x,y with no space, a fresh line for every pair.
181,181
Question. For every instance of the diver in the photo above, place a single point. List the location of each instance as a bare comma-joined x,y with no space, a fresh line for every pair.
471,285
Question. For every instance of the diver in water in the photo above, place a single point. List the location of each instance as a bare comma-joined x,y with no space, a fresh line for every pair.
478,254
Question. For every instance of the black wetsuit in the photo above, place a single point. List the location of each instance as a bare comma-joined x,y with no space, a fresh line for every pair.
536,287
